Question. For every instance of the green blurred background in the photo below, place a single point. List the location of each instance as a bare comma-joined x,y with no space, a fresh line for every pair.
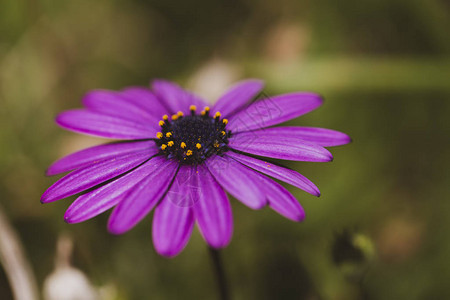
381,228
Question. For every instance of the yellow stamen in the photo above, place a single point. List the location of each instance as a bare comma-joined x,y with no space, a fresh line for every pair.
159,135
161,123
189,153
217,115
216,145
170,143
203,113
225,121
169,134
192,108
183,145
174,117
206,108
165,117
180,114
223,133
198,146
163,147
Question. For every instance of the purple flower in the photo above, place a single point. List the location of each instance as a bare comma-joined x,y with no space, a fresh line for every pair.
178,156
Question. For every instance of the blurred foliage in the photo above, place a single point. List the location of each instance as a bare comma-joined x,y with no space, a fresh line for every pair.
382,65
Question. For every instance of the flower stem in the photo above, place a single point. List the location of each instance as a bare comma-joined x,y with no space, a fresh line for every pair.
220,273
15,263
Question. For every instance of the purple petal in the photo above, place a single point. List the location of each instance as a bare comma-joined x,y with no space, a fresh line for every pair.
140,200
212,210
182,191
144,98
320,136
284,174
281,148
238,96
281,201
274,110
174,97
117,105
96,124
172,227
99,200
173,220
92,175
95,154
238,180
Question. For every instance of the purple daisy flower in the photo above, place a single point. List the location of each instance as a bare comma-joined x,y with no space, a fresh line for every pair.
178,156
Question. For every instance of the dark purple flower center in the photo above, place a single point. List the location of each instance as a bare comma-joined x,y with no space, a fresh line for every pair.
192,139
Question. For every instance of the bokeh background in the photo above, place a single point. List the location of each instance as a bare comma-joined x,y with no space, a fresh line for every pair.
381,228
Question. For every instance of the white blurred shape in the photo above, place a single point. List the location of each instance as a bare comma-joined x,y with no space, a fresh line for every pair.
67,282
213,78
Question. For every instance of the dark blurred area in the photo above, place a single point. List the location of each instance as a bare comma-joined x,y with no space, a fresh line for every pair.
380,229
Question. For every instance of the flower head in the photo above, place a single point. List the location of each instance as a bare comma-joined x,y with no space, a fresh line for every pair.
178,156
